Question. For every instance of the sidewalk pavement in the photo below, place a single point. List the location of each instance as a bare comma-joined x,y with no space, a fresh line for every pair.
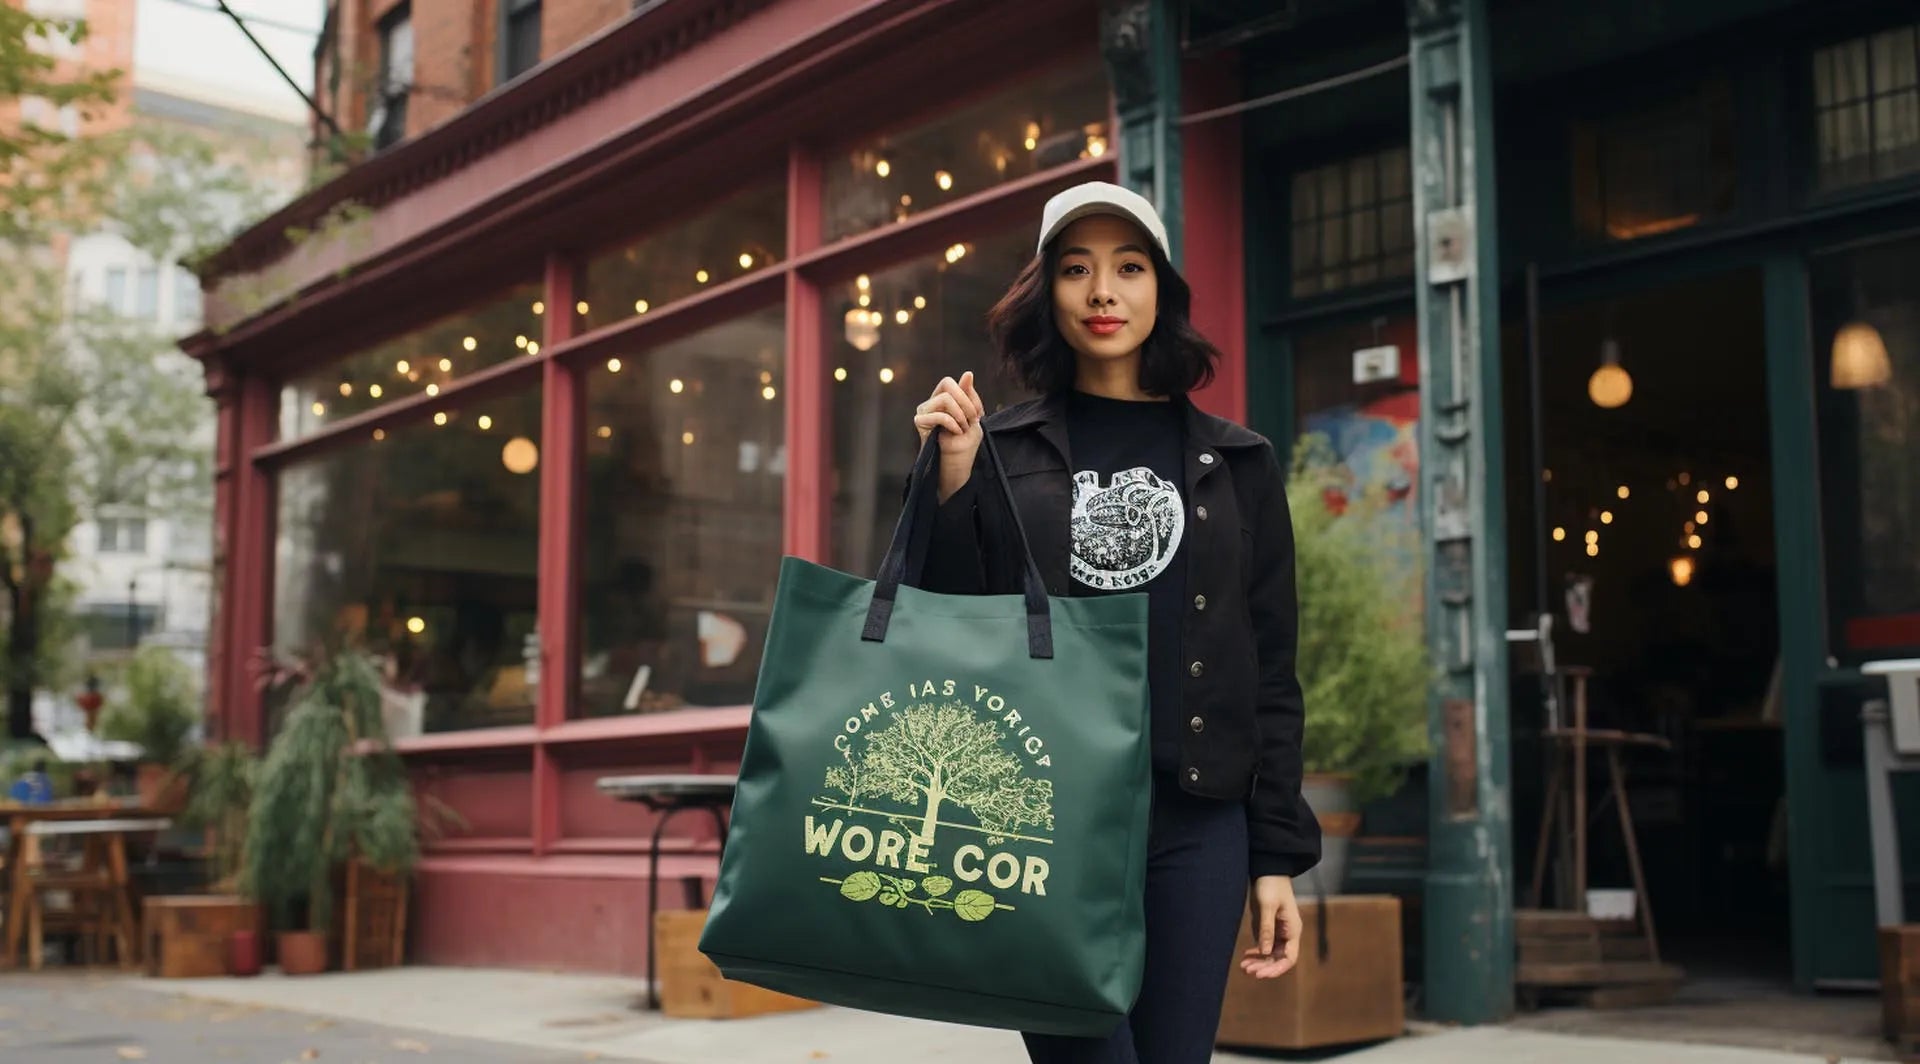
597,1017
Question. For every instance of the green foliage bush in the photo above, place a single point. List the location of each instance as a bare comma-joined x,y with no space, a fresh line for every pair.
158,709
1363,657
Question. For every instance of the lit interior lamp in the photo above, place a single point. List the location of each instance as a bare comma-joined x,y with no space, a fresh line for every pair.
1610,386
1680,568
520,455
1860,357
862,331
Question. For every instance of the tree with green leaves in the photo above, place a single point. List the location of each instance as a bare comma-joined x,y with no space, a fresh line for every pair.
936,754
96,410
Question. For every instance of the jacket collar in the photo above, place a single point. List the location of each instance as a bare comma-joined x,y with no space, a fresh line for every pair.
1049,414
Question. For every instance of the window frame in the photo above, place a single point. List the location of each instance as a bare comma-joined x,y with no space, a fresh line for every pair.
509,12
387,113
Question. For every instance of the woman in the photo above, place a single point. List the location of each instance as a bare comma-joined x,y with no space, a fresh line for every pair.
1125,486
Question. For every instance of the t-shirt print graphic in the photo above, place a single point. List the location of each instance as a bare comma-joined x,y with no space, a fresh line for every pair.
1124,534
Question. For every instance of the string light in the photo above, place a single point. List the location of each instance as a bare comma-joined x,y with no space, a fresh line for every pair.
484,422
1593,536
319,409
944,180
1559,534
1688,527
417,625
1033,136
906,201
520,341
446,365
676,386
883,168
902,316
520,455
1096,146
1694,542
702,276
919,302
433,389
1606,517
580,307
613,365
440,418
687,438
403,367
767,393
886,375
1685,479
1700,518
605,432
865,299
1701,497
346,388
1593,550
379,434
1623,491
533,347
470,344
375,390
539,307
1732,483
641,306
746,261
840,373
766,377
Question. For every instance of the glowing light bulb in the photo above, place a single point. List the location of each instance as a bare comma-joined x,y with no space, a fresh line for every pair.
533,347
417,625
520,455
676,386
1623,491
863,282
1700,518
346,388
767,393
1559,534
484,422
539,307
687,438
865,299
1593,536
1606,517
613,365
944,180
746,261
470,344
1732,483
702,276
886,375
446,365
1694,542
641,306
376,391
403,367
1701,496
319,409
883,168
520,341
440,418
605,432
1593,550
379,434
433,389
919,302
840,373
902,316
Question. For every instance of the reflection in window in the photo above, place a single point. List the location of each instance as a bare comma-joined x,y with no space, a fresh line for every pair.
1039,125
889,338
421,362
683,483
1867,354
1866,100
1656,169
420,544
737,237
1353,223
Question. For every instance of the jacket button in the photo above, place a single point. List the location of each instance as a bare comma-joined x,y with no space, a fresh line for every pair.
1197,668
1197,724
1199,602
1206,458
1193,775
1200,512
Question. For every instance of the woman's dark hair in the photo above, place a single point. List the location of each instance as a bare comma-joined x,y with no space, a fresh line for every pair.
1033,355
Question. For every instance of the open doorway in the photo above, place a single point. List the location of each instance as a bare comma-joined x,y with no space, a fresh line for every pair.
1652,540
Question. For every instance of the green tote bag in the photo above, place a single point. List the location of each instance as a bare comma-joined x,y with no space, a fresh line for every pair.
943,801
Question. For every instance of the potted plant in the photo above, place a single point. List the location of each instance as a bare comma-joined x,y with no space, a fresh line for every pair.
220,781
1362,658
330,789
158,712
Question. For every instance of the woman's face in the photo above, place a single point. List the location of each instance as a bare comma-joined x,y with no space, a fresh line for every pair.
1106,296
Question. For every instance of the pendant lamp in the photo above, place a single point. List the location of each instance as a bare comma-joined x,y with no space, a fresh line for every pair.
1860,357
1610,386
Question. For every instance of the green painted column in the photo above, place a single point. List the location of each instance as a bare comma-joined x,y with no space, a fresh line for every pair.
1469,894
1140,40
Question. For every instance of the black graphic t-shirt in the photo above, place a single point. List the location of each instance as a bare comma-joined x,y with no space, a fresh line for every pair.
1129,520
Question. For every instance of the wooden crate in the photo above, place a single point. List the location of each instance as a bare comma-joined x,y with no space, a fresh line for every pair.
374,928
1900,983
692,988
186,935
1354,995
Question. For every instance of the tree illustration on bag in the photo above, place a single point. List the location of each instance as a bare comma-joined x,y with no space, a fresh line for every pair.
936,754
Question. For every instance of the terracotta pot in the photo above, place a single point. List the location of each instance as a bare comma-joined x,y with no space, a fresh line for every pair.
160,790
243,953
302,952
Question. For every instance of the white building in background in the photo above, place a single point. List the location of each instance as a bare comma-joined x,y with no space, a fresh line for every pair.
145,576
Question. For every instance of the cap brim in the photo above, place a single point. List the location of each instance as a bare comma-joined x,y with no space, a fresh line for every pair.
1088,210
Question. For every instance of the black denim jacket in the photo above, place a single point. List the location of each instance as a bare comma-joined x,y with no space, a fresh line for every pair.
1240,692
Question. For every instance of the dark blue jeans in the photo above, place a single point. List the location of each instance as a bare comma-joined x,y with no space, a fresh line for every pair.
1196,895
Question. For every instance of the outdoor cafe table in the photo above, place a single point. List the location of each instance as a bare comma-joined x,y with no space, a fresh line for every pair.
105,824
668,795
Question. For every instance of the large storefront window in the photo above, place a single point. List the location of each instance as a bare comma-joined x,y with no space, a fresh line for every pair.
1867,355
422,362
420,545
889,338
735,238
1353,223
1039,125
681,533
1866,102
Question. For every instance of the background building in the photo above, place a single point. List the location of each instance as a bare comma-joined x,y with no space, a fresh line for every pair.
623,305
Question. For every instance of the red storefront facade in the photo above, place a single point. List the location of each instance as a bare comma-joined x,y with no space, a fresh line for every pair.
532,404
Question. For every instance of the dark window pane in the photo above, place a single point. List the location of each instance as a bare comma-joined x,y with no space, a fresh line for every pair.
1867,354
1038,125
422,547
880,367
740,235
1350,219
1867,108
423,361
685,470
523,39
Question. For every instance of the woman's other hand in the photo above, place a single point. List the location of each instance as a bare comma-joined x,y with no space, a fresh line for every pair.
1276,928
955,407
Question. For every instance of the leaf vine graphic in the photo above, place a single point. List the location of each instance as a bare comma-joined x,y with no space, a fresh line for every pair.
933,754
896,892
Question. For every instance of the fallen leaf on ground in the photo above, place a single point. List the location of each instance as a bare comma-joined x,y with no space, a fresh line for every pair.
410,1045
310,1054
319,1025
818,1054
130,1053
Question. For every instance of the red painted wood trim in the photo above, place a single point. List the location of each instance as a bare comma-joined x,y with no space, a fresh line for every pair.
1884,633
806,503
1215,231
568,866
228,458
681,318
704,723
476,739
668,845
563,395
250,564
501,379
502,844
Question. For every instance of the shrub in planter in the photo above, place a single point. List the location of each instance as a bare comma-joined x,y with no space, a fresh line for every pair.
1362,659
158,711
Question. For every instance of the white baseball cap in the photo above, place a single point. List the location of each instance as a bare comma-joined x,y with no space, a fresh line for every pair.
1100,197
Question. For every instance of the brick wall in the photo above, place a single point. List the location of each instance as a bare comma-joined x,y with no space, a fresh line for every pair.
454,43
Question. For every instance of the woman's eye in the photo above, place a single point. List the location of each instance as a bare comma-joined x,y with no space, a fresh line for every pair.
1076,268
1132,267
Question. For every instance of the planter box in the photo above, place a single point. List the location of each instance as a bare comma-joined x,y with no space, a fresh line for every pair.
186,935
1900,984
1354,995
692,988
